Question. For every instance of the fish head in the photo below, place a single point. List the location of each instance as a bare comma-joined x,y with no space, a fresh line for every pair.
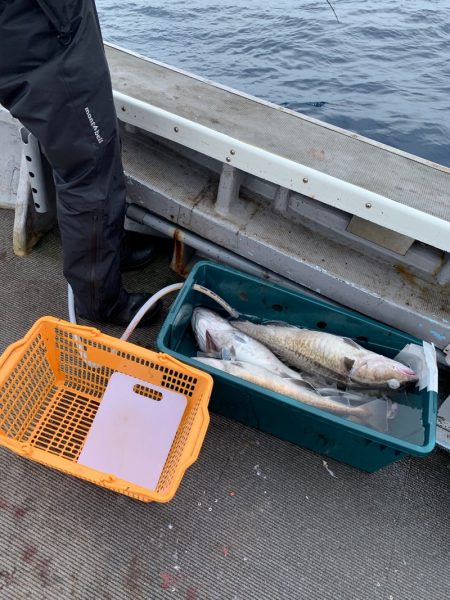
208,327
379,370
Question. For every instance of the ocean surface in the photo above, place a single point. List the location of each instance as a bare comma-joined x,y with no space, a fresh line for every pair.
380,69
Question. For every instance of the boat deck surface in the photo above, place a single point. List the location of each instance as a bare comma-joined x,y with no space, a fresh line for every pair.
254,517
417,183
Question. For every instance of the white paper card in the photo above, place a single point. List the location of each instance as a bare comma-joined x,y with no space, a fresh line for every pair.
131,434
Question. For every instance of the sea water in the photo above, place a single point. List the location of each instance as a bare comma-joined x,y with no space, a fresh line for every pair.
380,69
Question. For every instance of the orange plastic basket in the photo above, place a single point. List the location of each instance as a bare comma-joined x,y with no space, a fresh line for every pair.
52,382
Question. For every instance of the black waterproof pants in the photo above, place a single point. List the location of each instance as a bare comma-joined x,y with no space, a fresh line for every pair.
54,78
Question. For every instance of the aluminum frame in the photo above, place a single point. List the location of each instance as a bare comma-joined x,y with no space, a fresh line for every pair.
284,172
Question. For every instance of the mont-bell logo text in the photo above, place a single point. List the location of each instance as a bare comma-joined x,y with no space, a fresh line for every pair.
95,127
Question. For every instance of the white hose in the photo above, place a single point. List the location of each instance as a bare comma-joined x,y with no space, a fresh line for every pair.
151,301
146,306
71,302
168,290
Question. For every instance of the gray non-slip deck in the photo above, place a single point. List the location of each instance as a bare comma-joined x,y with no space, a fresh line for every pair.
254,517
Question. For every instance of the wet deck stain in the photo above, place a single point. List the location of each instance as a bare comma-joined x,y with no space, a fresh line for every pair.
6,578
19,512
168,580
318,153
41,566
44,571
134,575
406,274
29,554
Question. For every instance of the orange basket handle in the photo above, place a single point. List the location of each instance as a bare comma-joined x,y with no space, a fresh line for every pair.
14,349
11,351
75,328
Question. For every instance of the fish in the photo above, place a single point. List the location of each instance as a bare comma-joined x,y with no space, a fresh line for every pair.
359,397
218,338
330,356
373,413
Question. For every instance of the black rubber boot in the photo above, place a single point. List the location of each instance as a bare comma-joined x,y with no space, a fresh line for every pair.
126,308
138,250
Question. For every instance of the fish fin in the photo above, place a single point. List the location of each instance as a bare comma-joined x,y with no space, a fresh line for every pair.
239,364
283,324
240,339
300,382
335,395
339,390
348,363
228,353
314,382
209,354
209,343
351,343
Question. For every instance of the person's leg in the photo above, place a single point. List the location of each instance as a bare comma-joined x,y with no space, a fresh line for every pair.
54,78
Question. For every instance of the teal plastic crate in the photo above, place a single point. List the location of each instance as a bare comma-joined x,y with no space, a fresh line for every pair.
307,426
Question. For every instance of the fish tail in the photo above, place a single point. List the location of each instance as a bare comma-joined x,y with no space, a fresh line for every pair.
375,414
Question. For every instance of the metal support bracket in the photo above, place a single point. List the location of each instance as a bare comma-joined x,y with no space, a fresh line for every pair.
35,208
443,277
35,168
229,186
